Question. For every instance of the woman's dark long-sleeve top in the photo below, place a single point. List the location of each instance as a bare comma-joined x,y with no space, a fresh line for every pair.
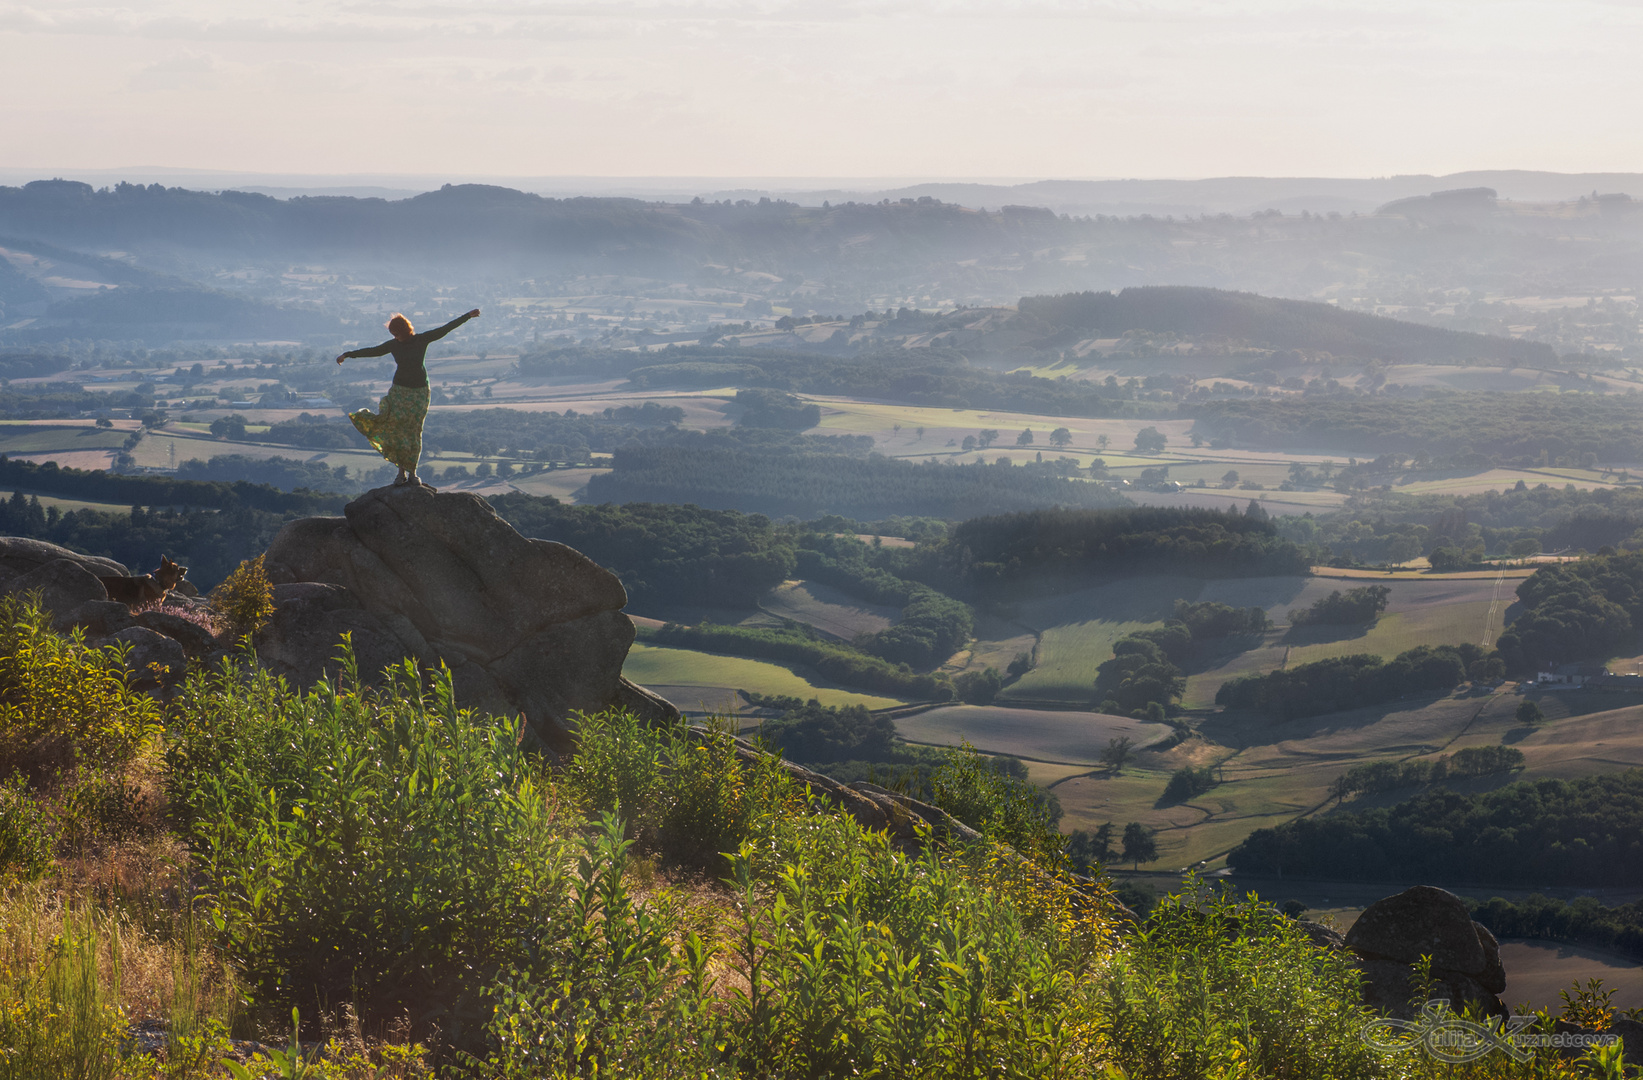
411,354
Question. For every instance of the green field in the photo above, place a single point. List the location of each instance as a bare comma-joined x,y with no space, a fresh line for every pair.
648,664
32,438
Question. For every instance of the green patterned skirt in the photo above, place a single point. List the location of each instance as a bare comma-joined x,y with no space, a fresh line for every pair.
396,428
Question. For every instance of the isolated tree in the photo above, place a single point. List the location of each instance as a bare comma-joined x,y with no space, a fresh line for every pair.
1116,753
1197,440
920,431
1060,437
1139,845
1102,441
969,443
1229,478
1529,713
987,437
1025,438
1150,440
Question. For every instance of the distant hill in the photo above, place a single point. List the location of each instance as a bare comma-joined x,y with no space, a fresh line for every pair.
113,300
1265,321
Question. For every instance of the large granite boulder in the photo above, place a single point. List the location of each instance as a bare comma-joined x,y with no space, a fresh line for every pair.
19,555
1394,933
526,626
63,587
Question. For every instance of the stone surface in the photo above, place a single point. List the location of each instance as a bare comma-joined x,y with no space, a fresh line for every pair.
302,641
101,618
1394,933
1420,921
195,639
525,626
19,555
64,585
155,660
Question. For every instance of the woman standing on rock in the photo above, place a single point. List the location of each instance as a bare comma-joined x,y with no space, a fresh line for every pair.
395,429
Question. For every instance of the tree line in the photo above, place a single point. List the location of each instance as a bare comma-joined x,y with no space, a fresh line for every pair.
1586,832
797,643
1521,429
710,472
1349,682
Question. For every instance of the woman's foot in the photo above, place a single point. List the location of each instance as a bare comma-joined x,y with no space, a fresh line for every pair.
402,479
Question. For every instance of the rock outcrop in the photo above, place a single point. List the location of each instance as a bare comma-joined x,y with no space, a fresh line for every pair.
68,586
526,626
1393,934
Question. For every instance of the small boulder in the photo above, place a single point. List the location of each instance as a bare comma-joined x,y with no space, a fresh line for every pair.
154,659
101,618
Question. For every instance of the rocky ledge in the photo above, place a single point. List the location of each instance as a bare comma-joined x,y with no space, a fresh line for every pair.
526,626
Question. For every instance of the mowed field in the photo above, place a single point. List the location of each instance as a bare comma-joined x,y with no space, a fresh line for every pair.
827,609
1051,737
656,665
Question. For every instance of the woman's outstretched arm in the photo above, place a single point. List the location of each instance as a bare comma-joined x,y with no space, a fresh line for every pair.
440,331
375,350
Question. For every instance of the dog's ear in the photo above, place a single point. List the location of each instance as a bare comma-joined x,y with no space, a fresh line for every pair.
165,561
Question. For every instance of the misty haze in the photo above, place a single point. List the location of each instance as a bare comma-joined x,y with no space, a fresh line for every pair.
798,540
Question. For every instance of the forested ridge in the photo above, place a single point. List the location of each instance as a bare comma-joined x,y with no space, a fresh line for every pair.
1263,320
937,376
1513,428
1585,832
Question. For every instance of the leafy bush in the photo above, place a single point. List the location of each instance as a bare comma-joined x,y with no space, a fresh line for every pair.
375,846
683,795
245,599
1184,1002
25,833
63,704
1001,807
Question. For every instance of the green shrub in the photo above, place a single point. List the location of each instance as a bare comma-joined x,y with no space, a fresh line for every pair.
63,704
26,833
375,846
683,795
245,599
1001,807
1214,987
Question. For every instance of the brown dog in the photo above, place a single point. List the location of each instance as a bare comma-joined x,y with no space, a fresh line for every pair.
148,588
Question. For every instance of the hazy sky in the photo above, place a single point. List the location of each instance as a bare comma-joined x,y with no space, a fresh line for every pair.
773,88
